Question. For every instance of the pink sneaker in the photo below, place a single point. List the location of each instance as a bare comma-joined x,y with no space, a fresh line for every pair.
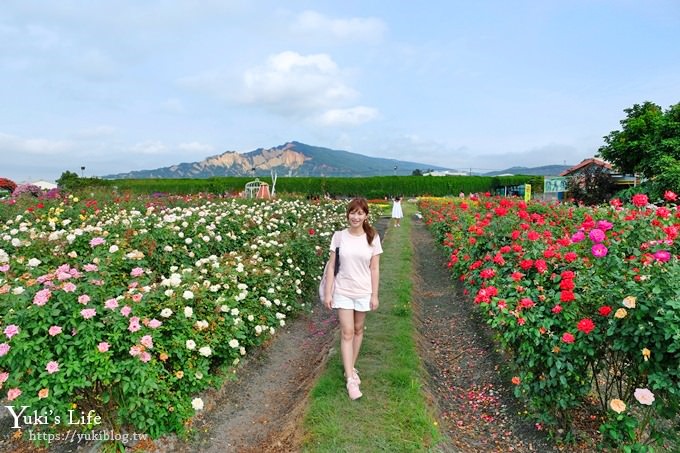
355,376
353,389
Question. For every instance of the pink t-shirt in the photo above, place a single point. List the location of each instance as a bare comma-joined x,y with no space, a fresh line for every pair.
354,277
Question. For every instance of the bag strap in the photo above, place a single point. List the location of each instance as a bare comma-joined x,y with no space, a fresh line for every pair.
336,269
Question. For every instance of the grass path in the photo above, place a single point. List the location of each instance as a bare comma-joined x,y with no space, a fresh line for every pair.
393,415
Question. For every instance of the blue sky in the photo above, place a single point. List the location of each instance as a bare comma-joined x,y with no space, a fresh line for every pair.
116,86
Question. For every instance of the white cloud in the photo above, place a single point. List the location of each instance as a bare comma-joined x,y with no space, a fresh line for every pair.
294,84
96,132
196,147
354,29
353,116
11,144
149,147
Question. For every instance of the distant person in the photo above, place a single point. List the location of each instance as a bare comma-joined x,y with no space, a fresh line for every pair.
397,213
354,290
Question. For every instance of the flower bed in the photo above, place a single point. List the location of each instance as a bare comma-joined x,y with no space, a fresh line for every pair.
130,308
587,302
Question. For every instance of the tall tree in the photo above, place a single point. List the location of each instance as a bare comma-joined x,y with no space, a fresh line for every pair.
648,143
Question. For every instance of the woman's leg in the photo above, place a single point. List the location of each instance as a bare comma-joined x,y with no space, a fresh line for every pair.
347,339
359,318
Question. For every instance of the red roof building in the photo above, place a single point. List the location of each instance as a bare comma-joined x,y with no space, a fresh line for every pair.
594,163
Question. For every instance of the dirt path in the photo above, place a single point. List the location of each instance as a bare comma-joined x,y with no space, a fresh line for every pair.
477,410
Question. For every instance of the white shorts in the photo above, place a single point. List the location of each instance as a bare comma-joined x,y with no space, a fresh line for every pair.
358,304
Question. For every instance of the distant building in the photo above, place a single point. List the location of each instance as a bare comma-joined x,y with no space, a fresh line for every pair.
45,185
446,173
620,179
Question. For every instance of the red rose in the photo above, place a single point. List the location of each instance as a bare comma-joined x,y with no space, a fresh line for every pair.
567,296
586,325
605,310
640,200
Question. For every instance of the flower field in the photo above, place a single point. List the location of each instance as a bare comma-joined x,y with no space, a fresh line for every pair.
586,301
126,308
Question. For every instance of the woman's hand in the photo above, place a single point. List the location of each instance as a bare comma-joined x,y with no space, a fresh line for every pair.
328,300
374,303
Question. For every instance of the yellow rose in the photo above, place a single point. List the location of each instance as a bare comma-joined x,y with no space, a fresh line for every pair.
617,405
629,301
646,353
620,313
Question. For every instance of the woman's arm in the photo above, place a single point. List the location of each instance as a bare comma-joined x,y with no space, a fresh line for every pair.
330,280
375,281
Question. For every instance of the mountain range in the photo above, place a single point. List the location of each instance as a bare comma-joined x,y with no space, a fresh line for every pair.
294,159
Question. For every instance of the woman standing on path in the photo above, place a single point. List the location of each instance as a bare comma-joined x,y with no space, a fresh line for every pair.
354,291
397,213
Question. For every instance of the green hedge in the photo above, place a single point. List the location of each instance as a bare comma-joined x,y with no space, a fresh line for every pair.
371,187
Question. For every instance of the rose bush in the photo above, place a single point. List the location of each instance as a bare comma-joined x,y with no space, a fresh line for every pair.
131,308
584,299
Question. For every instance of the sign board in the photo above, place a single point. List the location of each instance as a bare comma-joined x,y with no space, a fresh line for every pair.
554,184
527,192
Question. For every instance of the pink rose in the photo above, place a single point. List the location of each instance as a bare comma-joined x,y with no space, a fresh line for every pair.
662,255
13,394
103,346
111,304
136,272
4,349
41,297
11,330
644,396
69,287
52,367
596,235
578,236
84,299
599,251
88,313
568,338
96,241
147,341
54,330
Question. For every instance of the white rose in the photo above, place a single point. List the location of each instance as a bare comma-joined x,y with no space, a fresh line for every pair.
205,351
188,295
113,249
33,262
234,343
197,404
166,312
191,345
188,312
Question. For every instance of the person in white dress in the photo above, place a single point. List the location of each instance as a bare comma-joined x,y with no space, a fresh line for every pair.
397,213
